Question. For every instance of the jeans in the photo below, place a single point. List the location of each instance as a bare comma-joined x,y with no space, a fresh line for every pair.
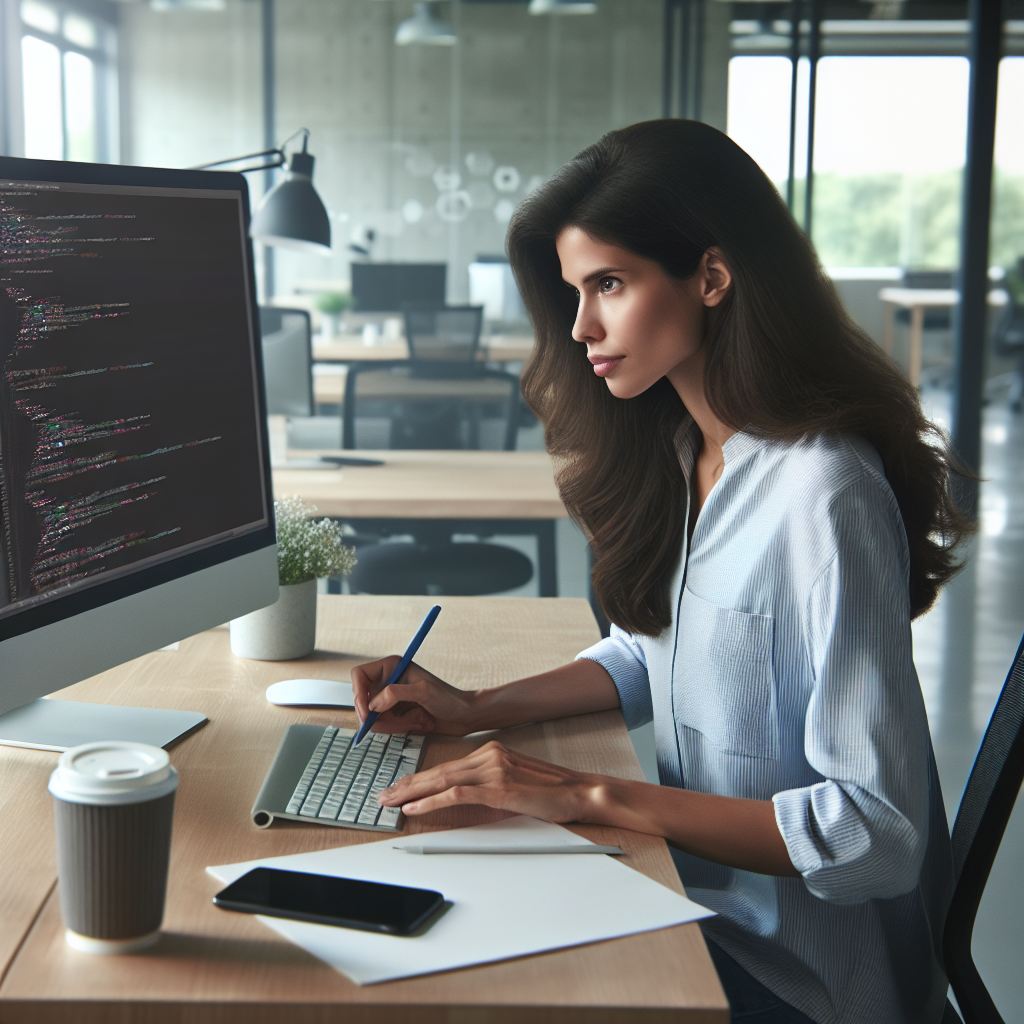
749,1000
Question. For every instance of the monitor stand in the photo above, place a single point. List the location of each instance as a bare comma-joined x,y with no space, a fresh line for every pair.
59,724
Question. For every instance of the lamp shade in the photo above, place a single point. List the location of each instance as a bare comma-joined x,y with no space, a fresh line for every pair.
291,214
425,27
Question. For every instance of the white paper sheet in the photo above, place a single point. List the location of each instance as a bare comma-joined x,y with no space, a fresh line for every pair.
503,905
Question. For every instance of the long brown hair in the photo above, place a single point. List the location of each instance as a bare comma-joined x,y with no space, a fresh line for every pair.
783,359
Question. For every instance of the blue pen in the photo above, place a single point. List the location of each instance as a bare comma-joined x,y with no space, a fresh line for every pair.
410,653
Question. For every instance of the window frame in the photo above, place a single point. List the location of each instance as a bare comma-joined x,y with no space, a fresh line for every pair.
104,56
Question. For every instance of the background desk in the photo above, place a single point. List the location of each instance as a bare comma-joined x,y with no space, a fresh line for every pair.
917,300
484,491
213,967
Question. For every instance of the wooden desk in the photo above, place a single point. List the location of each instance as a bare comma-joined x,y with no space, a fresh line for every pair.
213,967
500,492
349,348
430,485
917,300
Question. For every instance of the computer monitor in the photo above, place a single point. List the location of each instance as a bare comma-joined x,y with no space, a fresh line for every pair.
134,471
390,287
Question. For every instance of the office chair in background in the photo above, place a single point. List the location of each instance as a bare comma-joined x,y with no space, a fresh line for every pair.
443,333
981,820
287,361
433,405
288,376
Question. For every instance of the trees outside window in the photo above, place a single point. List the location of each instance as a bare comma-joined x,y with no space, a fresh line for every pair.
889,146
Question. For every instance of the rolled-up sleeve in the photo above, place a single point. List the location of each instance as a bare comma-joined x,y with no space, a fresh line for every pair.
861,833
623,659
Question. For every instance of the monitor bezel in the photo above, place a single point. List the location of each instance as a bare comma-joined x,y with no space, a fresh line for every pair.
97,595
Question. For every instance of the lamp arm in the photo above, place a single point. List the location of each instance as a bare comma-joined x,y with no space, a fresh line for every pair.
278,160
304,132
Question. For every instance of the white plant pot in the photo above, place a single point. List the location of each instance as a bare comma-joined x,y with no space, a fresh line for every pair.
330,325
283,630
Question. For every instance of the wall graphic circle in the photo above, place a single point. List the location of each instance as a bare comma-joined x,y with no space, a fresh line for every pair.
506,179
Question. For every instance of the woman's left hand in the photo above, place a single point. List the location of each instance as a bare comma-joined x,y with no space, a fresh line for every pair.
498,777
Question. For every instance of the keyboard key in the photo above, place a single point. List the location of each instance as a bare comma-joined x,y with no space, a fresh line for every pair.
389,816
368,815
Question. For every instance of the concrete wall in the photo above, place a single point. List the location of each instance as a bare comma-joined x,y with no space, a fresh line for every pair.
191,84
528,91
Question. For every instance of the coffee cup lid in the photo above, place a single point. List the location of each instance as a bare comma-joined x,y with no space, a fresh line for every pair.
113,772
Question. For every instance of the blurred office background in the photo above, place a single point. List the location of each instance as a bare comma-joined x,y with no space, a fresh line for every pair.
430,122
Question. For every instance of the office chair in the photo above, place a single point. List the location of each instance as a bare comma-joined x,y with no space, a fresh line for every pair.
1008,340
985,809
445,333
288,377
433,405
287,361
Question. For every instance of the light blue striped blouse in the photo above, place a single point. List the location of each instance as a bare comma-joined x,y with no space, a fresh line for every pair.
787,675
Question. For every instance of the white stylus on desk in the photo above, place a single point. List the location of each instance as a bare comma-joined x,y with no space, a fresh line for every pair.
615,850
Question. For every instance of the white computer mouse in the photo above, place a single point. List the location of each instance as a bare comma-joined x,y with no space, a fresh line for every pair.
320,693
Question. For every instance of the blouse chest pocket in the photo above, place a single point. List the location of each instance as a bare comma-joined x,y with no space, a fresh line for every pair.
724,682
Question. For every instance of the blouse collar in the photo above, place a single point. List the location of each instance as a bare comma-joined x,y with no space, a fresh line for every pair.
687,442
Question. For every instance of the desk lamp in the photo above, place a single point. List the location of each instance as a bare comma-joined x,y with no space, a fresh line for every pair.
291,214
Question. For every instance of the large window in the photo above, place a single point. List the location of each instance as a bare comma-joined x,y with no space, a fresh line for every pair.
69,83
889,147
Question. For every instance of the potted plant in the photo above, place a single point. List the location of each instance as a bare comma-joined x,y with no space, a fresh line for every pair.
307,550
332,305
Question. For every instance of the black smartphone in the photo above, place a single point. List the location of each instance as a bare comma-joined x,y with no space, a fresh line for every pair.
324,899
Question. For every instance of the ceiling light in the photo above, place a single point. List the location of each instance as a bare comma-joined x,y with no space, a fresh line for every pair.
562,7
188,5
425,27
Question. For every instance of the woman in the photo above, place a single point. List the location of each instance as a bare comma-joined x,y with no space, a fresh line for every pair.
768,510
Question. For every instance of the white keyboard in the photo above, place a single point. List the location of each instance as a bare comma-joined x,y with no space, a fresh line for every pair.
338,784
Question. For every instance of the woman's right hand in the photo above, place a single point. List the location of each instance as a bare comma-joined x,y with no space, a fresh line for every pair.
419,702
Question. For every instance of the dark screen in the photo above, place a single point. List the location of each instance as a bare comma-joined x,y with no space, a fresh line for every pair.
128,396
348,901
388,287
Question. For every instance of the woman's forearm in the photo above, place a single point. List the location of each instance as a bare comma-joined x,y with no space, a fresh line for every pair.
574,689
726,830
739,833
